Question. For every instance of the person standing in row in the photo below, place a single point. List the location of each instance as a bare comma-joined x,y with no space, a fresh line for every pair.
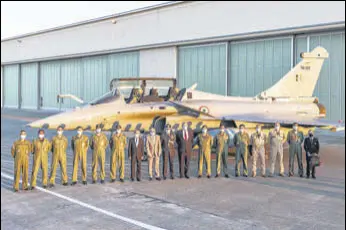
59,147
222,144
276,140
312,148
185,141
98,144
241,142
41,148
136,152
295,139
205,142
20,151
117,145
80,146
153,145
169,149
258,140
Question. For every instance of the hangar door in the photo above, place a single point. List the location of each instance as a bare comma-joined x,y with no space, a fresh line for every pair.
29,87
11,80
330,87
255,65
50,84
204,65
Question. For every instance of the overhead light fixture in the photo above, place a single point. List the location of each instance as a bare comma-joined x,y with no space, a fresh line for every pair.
114,21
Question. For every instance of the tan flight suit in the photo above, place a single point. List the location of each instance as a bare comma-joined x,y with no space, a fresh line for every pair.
41,148
20,151
222,144
258,141
205,143
153,145
98,144
80,145
59,147
241,141
117,145
276,140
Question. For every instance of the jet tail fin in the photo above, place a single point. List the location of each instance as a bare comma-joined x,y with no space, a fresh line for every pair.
301,80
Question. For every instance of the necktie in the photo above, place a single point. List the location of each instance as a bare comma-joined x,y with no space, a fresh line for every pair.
136,142
185,136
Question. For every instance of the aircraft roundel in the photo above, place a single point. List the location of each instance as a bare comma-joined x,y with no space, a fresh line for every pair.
204,109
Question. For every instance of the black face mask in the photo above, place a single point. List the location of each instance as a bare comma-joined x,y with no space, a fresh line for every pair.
310,134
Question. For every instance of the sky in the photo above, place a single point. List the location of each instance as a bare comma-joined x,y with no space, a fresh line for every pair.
19,17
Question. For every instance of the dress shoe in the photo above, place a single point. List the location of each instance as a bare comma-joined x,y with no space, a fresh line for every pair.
138,179
282,175
150,178
132,179
181,177
187,177
65,184
217,175
102,181
264,175
301,176
290,174
208,176
307,176
244,175
158,178
122,180
113,180
236,175
226,176
164,178
93,182
313,177
199,176
84,182
172,177
44,186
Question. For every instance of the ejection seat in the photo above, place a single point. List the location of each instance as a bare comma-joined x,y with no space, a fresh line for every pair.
135,96
172,94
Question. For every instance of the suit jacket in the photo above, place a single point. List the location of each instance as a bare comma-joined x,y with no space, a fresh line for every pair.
185,146
134,150
153,146
168,146
311,146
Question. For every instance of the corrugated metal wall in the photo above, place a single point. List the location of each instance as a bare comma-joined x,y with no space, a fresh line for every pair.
29,85
205,65
257,65
11,82
50,84
330,88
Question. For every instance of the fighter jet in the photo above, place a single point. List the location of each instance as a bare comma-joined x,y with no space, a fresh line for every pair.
289,100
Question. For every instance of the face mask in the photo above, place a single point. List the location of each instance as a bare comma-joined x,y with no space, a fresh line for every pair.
22,137
152,133
185,127
295,127
277,127
310,134
204,131
168,131
258,130
222,130
118,131
59,133
41,136
241,130
137,135
98,130
79,132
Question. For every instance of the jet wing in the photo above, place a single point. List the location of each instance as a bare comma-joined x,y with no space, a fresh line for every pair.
303,121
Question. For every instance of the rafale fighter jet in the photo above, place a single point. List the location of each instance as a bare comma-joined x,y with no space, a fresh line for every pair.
289,100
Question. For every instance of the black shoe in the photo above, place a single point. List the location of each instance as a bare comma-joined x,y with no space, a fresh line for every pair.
150,178
102,181
172,177
32,188
133,179
93,182
164,178
113,180
65,184
208,176
307,176
181,177
226,176
84,182
264,175
217,175
51,186
187,177
74,183
282,175
271,175
199,176
26,189
290,174
158,178
301,176
15,190
244,175
313,177
44,186
138,179
236,175
122,180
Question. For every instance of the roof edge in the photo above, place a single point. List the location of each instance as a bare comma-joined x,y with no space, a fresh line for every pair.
99,19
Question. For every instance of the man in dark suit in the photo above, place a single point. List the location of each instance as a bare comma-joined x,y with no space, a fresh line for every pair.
169,149
184,140
312,147
136,151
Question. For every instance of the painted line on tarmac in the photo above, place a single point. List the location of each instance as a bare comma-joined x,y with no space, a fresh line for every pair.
128,220
20,118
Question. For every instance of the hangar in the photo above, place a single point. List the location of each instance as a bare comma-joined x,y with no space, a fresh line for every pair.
236,48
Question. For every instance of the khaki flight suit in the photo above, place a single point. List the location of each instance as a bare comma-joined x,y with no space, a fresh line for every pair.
40,151
117,144
154,149
80,145
276,140
59,147
295,140
258,141
241,141
222,143
98,144
205,144
20,151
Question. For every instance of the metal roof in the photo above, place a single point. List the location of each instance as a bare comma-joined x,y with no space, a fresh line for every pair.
126,13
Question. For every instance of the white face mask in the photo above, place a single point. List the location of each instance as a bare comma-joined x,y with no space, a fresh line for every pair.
185,127
98,130
152,133
137,135
168,131
41,136
241,130
222,130
118,131
204,131
79,132
22,137
59,133
295,128
277,127
258,130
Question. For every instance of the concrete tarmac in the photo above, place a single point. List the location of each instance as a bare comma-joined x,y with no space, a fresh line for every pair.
216,203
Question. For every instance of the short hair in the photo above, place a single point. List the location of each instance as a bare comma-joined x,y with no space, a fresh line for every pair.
119,127
222,125
204,126
40,130
258,126
60,127
98,126
295,123
277,123
241,126
152,129
137,130
168,126
22,131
